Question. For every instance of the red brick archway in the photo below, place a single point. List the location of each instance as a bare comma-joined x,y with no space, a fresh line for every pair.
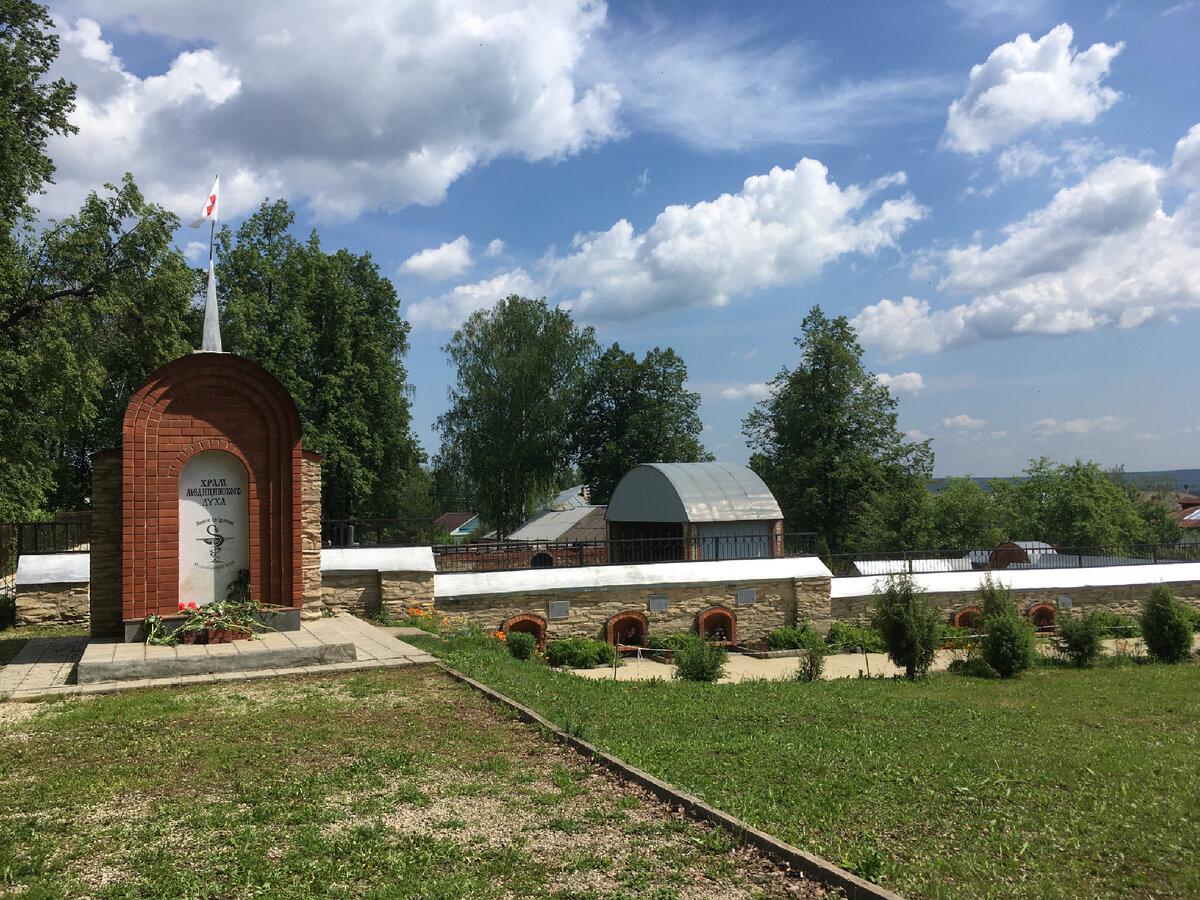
209,401
968,617
628,627
1043,616
717,617
530,624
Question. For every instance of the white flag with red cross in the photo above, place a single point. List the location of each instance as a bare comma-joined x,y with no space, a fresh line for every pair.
210,206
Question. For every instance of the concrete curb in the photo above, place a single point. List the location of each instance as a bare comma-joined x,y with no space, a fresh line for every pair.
815,867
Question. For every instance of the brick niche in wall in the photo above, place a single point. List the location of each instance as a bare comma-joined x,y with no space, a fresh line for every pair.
209,401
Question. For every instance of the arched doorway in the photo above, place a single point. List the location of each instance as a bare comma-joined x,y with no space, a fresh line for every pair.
529,624
1043,616
717,624
628,627
968,617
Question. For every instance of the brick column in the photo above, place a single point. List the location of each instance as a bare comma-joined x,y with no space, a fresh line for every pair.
106,544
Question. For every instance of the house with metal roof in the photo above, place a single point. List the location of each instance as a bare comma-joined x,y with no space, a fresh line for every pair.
693,511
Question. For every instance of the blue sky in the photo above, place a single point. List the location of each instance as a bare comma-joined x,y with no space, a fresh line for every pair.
1002,195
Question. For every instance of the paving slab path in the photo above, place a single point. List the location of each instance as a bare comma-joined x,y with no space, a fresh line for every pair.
47,666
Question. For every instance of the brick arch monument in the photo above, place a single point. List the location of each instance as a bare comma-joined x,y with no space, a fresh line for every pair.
211,478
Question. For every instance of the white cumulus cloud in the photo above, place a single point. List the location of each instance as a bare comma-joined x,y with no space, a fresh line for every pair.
1101,253
1044,429
447,312
904,383
353,106
438,263
962,421
781,228
1026,83
756,391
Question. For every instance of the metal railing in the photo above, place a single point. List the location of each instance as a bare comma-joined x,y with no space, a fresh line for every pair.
377,532
916,562
499,556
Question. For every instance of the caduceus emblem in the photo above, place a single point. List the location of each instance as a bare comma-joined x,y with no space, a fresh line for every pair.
214,540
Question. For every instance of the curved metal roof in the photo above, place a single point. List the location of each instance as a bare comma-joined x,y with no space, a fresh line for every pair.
691,492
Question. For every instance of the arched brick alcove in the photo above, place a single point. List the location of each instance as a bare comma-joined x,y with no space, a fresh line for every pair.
627,627
968,617
714,618
202,402
530,624
1043,616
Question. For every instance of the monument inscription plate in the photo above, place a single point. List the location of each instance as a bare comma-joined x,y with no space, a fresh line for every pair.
214,523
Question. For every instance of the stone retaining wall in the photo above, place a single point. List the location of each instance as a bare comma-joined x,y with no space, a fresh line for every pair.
364,594
1124,599
53,604
776,604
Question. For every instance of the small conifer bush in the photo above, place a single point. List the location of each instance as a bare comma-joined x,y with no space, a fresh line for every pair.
1008,640
696,660
1166,626
579,653
907,621
1079,637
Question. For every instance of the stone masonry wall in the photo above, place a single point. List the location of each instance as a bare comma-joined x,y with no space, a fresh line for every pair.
106,544
398,591
310,534
1124,599
353,593
774,606
53,604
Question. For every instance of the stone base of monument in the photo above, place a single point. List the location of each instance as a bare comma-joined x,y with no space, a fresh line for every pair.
108,661
266,620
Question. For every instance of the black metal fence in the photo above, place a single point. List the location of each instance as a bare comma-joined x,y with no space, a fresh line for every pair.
377,532
1006,557
69,533
498,556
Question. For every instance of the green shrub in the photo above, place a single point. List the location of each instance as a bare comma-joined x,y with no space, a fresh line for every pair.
812,663
1007,638
1115,625
790,637
950,637
971,667
1079,638
672,641
1008,644
907,622
579,653
1165,626
852,639
697,661
521,644
8,609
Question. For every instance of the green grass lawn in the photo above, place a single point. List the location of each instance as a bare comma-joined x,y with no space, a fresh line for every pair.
392,783
1063,783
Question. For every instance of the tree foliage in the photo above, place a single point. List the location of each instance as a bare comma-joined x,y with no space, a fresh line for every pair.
103,299
632,412
827,444
520,370
1008,643
328,327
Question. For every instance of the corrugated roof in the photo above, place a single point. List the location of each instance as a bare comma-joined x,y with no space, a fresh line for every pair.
691,492
551,524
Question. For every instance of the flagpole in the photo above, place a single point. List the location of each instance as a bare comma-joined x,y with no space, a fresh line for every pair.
211,339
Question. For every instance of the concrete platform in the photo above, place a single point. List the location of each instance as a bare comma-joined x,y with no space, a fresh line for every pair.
78,666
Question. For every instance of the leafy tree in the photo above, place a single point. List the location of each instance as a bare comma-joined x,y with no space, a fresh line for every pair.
1165,626
1079,638
907,621
520,369
1069,505
328,327
826,439
31,108
961,516
633,412
103,300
